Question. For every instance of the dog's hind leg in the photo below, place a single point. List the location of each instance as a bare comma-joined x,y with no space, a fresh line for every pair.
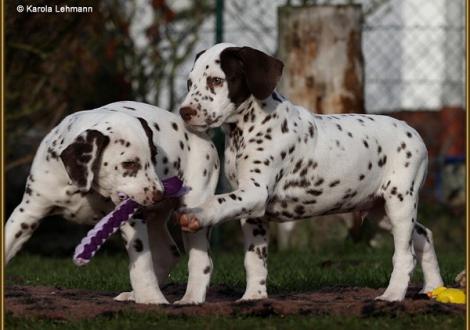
401,200
426,256
401,218
425,253
165,252
23,222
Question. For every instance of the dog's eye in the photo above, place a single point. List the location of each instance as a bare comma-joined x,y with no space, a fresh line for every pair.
217,81
189,83
214,82
130,165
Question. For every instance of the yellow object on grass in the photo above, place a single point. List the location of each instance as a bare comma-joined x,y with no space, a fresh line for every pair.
448,296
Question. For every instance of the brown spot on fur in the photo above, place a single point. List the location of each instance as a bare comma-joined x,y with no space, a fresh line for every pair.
149,134
138,245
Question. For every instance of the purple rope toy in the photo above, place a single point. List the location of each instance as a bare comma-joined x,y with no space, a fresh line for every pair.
92,242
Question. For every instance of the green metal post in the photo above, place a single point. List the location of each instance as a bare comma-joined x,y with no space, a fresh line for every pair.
219,21
219,140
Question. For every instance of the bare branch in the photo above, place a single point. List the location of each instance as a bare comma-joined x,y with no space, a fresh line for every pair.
19,162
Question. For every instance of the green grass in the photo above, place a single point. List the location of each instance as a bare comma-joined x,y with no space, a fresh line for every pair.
289,272
133,321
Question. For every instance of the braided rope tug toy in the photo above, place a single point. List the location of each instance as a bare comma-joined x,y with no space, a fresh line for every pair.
95,238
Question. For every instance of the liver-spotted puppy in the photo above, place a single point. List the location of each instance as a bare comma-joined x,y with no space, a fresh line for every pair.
286,163
128,147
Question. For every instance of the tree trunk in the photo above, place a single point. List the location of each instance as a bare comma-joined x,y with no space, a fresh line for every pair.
324,69
321,50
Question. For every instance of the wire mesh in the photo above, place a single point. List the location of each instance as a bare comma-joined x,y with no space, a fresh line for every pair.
414,50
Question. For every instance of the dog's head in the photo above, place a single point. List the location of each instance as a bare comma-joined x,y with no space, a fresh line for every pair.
222,78
118,156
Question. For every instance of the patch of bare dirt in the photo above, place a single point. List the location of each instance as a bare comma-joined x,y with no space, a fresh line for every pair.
73,304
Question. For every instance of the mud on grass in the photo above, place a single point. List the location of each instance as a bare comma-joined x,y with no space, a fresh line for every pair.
75,304
335,289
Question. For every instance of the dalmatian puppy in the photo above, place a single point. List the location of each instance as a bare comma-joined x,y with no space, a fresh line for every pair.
128,147
286,163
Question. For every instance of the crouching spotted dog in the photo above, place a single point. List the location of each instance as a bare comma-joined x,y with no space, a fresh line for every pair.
286,163
124,147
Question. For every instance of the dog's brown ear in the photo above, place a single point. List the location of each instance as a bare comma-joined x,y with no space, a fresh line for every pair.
262,72
81,157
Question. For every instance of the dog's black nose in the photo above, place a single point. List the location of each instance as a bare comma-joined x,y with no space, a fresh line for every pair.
187,112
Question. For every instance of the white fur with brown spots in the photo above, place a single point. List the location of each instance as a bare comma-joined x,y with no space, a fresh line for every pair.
127,147
286,163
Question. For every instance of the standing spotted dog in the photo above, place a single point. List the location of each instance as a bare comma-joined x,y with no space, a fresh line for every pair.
286,163
91,156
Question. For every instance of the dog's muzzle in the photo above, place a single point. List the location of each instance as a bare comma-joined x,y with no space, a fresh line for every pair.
187,113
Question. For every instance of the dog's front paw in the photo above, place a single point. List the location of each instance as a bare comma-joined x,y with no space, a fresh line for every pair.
430,286
188,222
253,296
390,296
130,296
152,300
188,301
125,296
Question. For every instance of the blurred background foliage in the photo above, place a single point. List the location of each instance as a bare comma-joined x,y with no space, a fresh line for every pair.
59,64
